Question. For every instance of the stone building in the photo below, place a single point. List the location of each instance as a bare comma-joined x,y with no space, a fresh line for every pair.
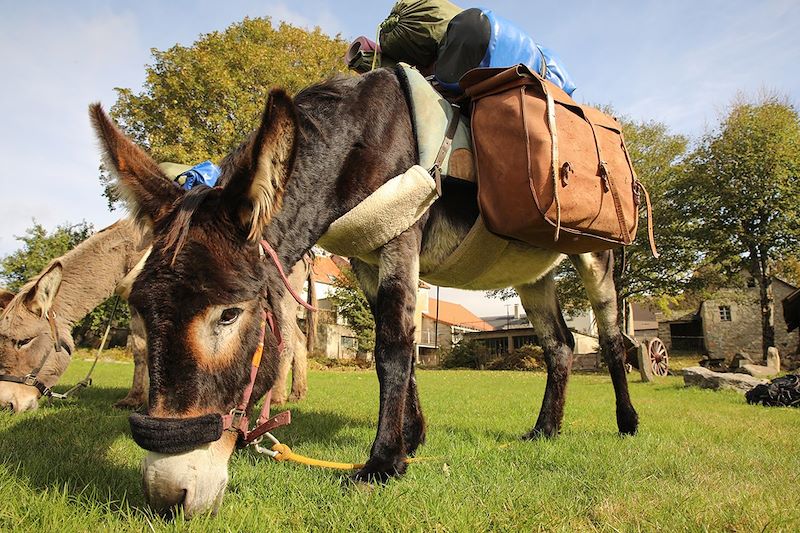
729,322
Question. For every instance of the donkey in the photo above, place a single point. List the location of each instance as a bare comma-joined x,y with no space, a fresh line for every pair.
67,289
73,285
312,159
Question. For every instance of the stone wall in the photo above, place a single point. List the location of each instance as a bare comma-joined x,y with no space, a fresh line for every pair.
723,338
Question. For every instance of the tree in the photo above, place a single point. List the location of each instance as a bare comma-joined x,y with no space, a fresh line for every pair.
39,248
657,156
742,190
350,303
200,102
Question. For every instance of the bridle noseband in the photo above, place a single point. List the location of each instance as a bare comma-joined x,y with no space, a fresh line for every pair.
31,379
179,435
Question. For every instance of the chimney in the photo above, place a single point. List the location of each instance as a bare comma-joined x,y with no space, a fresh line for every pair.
516,311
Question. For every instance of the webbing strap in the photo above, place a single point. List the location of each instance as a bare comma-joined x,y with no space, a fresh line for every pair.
452,125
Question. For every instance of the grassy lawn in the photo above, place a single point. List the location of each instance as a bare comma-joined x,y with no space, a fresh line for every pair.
703,461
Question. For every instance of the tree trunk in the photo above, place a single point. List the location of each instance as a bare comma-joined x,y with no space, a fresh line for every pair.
766,301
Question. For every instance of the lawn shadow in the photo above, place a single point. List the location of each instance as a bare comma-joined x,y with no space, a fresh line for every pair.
66,445
319,427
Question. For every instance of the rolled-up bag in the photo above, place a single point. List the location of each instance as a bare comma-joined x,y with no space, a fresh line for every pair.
480,38
412,31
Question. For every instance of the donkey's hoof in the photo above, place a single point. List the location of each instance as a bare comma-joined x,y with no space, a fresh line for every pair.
381,471
538,433
627,422
296,396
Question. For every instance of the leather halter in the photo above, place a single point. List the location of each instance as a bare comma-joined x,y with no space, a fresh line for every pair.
178,435
31,379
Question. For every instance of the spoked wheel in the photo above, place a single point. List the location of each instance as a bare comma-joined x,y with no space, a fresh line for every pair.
659,358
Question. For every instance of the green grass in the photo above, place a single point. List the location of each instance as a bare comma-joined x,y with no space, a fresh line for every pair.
703,460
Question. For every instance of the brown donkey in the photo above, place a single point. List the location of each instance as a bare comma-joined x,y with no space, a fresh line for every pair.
205,288
67,289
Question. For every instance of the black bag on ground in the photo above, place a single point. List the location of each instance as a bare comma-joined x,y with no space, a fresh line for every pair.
780,392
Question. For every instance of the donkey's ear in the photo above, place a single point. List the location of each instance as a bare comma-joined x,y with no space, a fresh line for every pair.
40,297
257,186
138,179
5,297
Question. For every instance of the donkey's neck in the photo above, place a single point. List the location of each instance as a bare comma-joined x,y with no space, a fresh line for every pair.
350,144
92,270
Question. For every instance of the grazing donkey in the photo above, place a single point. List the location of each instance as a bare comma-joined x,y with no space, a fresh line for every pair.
206,285
66,290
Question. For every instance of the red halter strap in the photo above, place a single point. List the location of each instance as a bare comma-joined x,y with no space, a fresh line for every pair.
237,419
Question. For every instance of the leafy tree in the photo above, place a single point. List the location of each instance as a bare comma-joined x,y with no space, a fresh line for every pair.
39,248
350,303
657,156
742,192
199,102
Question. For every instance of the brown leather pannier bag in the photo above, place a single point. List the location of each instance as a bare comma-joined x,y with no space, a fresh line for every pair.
551,172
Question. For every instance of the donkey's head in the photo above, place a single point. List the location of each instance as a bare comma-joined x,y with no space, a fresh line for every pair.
201,293
35,346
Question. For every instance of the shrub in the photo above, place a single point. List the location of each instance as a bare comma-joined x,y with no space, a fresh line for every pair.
467,354
528,357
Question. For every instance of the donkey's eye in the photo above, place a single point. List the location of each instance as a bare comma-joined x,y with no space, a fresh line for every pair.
229,316
24,342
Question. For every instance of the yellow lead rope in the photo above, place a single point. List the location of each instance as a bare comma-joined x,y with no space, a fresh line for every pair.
285,453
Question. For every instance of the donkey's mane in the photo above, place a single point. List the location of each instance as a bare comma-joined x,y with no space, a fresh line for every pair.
307,105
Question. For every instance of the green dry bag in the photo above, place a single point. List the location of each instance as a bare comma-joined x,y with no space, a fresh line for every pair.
412,31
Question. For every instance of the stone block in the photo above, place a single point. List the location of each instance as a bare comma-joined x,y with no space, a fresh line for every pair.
706,379
759,371
774,359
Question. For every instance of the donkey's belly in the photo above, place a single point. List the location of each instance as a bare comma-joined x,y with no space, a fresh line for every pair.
482,260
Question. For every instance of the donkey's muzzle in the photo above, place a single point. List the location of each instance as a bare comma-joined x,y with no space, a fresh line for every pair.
174,435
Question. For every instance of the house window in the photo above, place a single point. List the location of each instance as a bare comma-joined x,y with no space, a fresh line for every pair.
725,313
349,344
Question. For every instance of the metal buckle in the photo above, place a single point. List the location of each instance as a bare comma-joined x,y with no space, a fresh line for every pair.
29,380
237,415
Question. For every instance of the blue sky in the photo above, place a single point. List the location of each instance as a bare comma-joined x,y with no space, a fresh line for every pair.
679,62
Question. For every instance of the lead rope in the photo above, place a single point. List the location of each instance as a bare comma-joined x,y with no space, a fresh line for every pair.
87,381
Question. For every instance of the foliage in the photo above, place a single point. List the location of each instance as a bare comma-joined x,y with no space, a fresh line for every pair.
320,361
528,357
199,102
350,303
742,193
657,156
39,248
467,354
74,465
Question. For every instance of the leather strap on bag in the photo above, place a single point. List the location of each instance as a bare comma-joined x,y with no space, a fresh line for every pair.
551,124
650,234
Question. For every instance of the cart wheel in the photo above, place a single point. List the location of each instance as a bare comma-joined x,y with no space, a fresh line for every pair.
659,358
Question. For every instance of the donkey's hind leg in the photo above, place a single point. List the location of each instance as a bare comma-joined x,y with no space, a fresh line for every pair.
597,273
541,305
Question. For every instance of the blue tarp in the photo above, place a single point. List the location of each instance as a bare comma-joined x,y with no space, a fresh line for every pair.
509,46
205,173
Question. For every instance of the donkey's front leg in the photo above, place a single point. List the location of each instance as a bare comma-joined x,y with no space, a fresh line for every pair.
396,297
596,272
